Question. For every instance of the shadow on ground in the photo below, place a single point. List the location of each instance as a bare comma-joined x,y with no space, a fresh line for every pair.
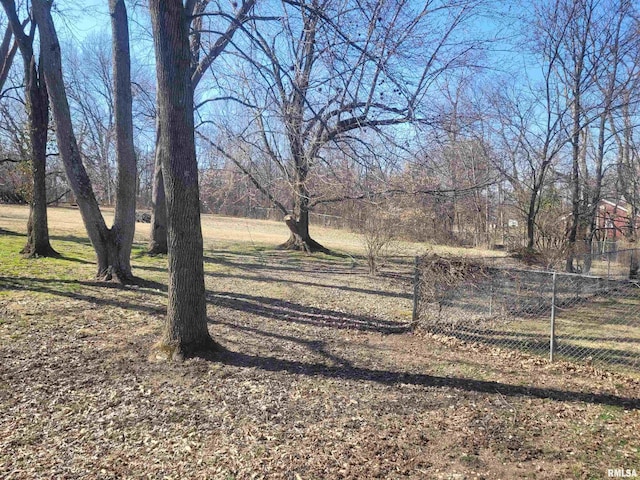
539,344
287,311
340,368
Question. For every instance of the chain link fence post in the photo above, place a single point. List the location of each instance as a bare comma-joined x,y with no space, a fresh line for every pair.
416,290
552,336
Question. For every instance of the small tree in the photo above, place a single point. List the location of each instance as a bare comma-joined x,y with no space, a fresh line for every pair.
378,233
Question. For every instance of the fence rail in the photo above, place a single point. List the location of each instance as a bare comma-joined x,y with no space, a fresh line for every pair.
587,318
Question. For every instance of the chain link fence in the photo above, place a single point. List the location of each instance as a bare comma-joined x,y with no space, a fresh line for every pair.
614,264
588,318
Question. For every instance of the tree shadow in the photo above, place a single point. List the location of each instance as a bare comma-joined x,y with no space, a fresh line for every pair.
296,313
539,344
72,238
316,346
48,285
263,278
540,336
76,260
11,233
266,262
345,371
342,369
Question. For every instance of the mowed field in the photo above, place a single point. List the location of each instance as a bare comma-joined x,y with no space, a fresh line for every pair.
319,374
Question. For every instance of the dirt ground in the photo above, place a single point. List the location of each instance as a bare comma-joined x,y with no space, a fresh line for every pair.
319,376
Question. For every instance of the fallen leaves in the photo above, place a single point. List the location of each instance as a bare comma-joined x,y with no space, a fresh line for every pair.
322,391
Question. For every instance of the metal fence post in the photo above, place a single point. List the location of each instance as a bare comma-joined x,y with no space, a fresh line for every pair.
552,336
491,299
416,290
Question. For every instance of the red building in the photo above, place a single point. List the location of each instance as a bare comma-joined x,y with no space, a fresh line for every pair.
614,219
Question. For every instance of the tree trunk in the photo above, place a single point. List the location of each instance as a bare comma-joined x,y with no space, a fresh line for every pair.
531,219
37,104
575,190
185,331
298,223
634,260
299,238
124,222
109,245
158,240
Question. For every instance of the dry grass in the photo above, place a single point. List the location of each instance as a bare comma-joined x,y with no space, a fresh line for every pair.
219,231
318,376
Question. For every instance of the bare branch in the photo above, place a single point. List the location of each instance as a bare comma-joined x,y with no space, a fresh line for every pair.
11,160
246,172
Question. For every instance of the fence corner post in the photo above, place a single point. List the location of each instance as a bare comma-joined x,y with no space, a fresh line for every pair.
552,335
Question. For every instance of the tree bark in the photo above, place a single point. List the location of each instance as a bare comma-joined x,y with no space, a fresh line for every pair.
37,103
298,223
185,330
37,106
158,236
124,222
108,244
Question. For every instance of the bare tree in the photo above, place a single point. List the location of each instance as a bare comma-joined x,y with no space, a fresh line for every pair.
124,220
90,89
37,107
111,245
185,331
8,49
577,73
615,39
203,54
593,38
329,72
628,164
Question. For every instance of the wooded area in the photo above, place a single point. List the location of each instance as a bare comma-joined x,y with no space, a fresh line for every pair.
468,123
315,177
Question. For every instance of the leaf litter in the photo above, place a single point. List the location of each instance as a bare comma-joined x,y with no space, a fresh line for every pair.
320,376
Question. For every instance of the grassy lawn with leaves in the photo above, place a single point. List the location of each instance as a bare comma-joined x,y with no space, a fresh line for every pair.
319,374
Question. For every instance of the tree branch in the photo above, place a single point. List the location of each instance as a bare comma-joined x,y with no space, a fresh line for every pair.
222,42
249,175
436,192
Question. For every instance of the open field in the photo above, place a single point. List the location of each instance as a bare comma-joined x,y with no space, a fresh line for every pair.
318,376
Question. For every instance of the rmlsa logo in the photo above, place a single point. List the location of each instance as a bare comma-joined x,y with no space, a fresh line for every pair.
622,473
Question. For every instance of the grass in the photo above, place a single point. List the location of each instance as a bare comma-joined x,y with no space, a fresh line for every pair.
318,375
592,325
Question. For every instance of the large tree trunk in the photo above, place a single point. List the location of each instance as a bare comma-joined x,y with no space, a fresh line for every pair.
38,244
298,223
185,331
108,244
37,101
158,239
